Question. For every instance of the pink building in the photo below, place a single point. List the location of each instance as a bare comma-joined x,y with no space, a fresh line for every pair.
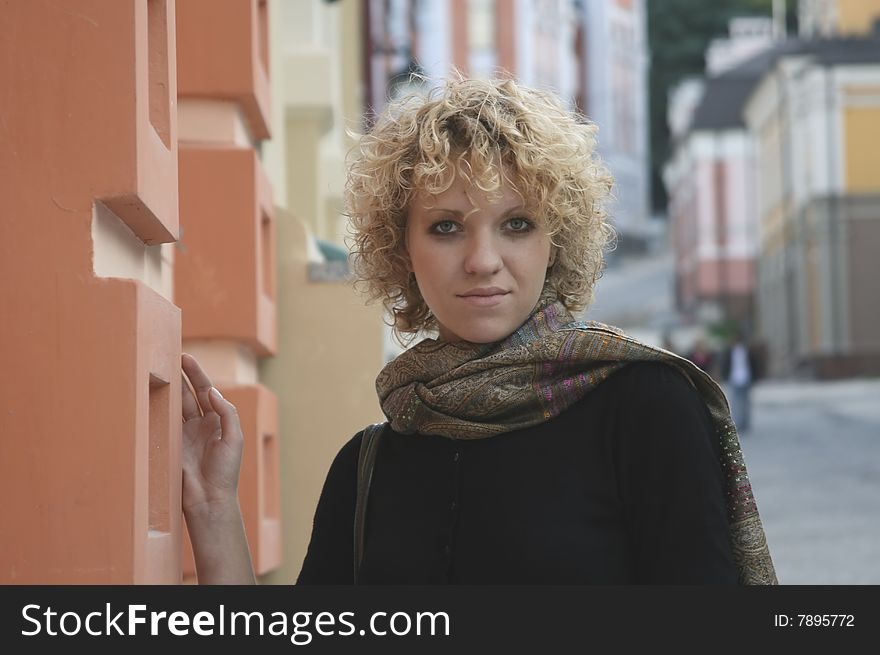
711,184
535,41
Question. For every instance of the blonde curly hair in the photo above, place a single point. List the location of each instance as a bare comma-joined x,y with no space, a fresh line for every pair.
489,132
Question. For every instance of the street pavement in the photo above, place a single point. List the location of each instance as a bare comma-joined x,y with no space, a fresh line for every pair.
813,457
636,294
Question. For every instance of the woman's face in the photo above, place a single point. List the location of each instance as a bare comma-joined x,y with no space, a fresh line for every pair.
480,266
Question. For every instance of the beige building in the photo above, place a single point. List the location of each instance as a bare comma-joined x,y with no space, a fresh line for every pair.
330,346
825,18
815,117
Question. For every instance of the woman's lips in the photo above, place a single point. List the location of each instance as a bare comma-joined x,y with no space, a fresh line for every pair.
485,301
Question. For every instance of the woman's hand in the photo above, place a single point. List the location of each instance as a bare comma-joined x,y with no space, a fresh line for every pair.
212,447
212,444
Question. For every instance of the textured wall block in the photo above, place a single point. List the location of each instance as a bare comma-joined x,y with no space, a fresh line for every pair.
94,105
94,435
224,271
157,481
225,55
259,489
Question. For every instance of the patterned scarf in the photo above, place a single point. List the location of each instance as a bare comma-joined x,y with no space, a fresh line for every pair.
464,390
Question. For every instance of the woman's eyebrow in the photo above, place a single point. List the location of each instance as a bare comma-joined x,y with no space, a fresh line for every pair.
444,210
458,212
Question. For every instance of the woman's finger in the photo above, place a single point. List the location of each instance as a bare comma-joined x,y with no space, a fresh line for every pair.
200,381
229,421
190,406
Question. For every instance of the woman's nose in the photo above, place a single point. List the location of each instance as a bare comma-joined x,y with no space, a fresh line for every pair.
482,256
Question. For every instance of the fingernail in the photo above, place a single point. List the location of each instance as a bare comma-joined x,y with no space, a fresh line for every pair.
217,391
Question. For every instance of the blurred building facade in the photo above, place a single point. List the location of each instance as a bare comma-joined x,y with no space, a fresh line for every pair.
592,54
816,118
772,198
613,86
532,41
827,18
225,279
330,346
711,178
749,35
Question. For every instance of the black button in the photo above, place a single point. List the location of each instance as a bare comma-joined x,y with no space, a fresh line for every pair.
456,457
447,549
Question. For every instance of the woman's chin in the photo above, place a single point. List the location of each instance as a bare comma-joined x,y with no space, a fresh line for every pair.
477,334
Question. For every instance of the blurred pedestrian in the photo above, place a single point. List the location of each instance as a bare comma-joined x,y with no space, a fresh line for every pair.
702,356
739,371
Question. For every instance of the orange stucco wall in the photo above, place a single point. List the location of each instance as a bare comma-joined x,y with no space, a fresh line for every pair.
224,55
94,327
227,206
225,268
91,388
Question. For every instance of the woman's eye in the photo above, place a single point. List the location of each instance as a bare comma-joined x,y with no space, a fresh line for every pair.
444,227
519,224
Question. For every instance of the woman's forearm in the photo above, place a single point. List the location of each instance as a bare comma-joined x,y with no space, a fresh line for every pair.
220,545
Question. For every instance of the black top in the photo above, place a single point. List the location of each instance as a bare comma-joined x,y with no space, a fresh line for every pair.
624,487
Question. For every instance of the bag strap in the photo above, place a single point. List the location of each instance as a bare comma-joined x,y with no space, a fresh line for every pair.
366,463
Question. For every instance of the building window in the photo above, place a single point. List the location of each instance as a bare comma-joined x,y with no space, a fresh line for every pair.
481,26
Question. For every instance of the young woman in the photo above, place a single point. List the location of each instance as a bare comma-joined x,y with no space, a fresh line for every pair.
522,446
